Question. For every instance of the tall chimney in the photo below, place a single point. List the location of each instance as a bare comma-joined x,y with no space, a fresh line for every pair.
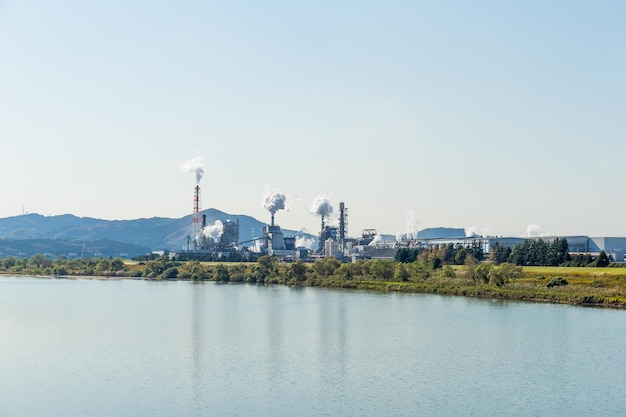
343,222
196,218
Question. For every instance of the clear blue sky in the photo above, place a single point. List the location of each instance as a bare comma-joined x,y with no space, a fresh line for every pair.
494,115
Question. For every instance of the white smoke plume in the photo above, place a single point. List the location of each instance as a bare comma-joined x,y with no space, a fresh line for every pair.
377,239
534,230
412,221
322,207
194,166
305,242
274,200
215,231
471,231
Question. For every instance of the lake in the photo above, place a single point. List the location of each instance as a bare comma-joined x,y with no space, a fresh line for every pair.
138,348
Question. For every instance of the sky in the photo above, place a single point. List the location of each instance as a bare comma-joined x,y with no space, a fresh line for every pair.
500,117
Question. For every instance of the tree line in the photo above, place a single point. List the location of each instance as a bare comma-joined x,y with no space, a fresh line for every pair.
538,252
269,269
534,252
448,254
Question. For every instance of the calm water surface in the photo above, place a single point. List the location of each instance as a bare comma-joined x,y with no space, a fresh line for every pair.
133,348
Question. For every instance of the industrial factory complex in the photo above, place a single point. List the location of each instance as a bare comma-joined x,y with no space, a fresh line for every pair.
221,240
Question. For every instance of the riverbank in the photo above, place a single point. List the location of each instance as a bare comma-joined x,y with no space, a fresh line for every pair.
595,287
518,291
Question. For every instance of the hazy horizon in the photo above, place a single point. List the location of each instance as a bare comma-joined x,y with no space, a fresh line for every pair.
532,230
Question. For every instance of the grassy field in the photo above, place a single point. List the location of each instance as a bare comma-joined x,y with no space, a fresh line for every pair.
584,276
598,287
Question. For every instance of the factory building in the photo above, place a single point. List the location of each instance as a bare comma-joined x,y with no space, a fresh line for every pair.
276,244
230,233
613,246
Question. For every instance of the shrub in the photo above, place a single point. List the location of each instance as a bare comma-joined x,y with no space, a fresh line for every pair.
557,282
448,272
481,273
221,273
170,273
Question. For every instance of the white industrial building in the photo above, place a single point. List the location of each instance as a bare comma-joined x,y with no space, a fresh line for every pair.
613,246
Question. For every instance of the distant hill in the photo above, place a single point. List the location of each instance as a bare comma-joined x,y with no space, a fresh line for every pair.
155,233
441,233
21,248
61,235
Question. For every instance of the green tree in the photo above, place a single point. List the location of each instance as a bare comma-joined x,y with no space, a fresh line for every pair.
348,271
499,253
481,273
326,267
460,255
266,267
39,261
476,250
501,275
198,272
221,273
10,262
169,273
297,271
155,268
603,260
448,254
103,266
237,273
511,271
59,270
420,270
117,264
437,263
496,276
448,272
401,273
382,270
470,264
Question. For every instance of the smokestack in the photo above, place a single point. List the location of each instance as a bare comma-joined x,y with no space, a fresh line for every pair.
197,231
203,221
342,221
272,219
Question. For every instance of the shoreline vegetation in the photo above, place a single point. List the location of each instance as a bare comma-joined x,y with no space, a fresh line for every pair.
585,286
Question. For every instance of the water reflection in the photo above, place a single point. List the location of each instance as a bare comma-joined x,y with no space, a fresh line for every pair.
197,349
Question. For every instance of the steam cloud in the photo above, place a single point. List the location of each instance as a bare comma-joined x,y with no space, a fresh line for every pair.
274,200
412,221
534,230
322,207
377,239
195,166
304,242
215,231
473,231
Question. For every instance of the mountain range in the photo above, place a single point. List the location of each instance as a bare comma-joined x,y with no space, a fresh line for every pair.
63,234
